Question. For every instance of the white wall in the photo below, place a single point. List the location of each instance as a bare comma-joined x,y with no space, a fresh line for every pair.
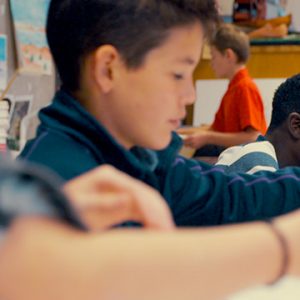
226,6
210,92
293,7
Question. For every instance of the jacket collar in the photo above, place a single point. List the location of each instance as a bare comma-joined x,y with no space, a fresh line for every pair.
67,116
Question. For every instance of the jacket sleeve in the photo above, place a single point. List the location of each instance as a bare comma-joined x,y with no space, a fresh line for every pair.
199,194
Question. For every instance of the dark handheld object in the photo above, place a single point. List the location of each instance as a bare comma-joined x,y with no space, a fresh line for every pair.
26,190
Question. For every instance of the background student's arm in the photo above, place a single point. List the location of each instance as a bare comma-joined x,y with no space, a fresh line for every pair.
200,139
41,259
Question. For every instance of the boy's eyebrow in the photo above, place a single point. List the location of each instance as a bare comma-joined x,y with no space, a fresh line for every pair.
187,60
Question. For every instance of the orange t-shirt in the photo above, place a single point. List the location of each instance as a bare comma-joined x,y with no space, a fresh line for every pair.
241,106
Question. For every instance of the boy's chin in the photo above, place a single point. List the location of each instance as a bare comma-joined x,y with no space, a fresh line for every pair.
161,144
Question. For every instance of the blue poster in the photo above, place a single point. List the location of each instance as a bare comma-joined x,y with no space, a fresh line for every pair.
3,61
29,19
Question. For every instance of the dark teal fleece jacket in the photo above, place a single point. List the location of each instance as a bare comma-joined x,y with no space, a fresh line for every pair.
70,142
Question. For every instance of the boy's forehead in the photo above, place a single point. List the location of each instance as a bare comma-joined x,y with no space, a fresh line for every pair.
184,42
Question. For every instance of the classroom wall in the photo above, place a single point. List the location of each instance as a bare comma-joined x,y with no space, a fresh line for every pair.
210,93
226,6
41,87
293,7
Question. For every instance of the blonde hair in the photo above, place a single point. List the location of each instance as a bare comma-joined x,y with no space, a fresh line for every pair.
228,36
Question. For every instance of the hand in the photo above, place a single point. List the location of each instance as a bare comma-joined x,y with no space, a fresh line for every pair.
106,196
196,140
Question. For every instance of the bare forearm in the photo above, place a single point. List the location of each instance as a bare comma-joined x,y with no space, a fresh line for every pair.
197,264
187,264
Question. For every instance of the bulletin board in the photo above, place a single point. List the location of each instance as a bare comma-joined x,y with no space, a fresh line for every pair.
37,87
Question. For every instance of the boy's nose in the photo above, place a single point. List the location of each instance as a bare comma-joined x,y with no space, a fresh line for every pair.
189,96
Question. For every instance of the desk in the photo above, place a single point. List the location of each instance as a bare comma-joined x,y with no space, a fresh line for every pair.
266,61
286,289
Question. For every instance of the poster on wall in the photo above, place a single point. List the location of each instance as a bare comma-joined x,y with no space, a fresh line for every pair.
20,109
3,61
29,18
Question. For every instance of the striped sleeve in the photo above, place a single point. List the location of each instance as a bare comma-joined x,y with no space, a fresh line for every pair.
249,158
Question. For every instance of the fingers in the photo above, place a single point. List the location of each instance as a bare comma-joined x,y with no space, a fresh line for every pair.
153,210
147,205
106,196
98,217
197,140
111,210
191,141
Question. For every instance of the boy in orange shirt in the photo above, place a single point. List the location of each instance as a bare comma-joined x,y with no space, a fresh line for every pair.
240,117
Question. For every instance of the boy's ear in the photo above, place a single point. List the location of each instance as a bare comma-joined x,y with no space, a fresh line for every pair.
105,60
294,124
230,55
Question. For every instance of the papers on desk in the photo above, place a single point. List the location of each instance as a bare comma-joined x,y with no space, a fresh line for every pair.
287,289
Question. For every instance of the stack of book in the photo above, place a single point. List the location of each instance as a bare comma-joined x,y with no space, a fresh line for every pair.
4,124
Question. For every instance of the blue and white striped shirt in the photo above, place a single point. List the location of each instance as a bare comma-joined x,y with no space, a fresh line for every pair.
249,158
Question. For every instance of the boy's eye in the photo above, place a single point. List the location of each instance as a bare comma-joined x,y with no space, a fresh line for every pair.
178,76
